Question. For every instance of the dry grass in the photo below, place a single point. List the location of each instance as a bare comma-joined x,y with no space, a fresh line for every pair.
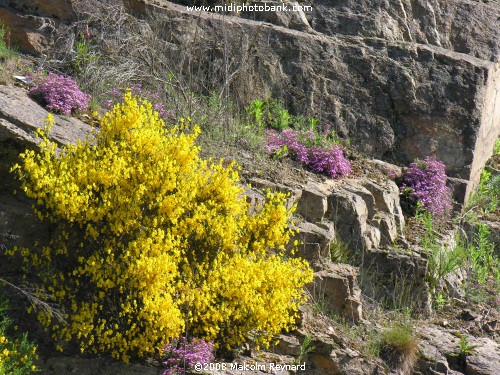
399,347
202,80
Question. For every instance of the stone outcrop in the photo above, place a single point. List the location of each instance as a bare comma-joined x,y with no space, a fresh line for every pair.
57,9
20,117
335,287
465,26
397,277
439,348
32,23
361,213
393,95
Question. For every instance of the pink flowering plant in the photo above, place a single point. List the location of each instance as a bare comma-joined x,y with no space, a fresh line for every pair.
425,183
58,93
318,153
182,354
116,96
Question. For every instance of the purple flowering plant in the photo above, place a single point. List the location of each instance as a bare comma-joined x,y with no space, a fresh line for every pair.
58,93
318,153
116,96
182,354
425,183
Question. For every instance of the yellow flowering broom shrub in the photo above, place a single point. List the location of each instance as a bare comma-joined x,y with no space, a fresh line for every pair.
154,241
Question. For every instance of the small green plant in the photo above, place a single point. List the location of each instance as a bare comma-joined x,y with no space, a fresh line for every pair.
464,350
486,199
443,259
483,281
281,153
17,353
340,252
313,122
496,149
84,53
255,113
6,52
440,301
305,348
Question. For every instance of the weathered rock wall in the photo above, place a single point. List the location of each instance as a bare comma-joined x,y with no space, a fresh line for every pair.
401,78
464,26
393,98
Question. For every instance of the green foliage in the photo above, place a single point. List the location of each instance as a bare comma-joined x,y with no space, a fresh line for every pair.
482,256
486,199
255,112
6,52
84,54
496,149
440,301
305,348
483,281
443,258
267,114
17,353
156,241
464,350
340,252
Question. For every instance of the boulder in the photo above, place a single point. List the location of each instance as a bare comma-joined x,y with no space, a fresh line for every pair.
314,240
366,214
335,288
21,116
439,348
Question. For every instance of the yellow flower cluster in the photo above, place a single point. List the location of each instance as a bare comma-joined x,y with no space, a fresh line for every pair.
16,356
154,241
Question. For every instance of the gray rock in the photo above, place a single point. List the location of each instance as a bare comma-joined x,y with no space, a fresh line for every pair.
20,117
349,213
396,277
439,346
312,205
486,360
293,193
292,19
366,214
464,26
392,95
314,240
335,287
287,345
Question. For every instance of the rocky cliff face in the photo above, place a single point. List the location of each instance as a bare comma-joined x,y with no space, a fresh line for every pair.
401,78
463,26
